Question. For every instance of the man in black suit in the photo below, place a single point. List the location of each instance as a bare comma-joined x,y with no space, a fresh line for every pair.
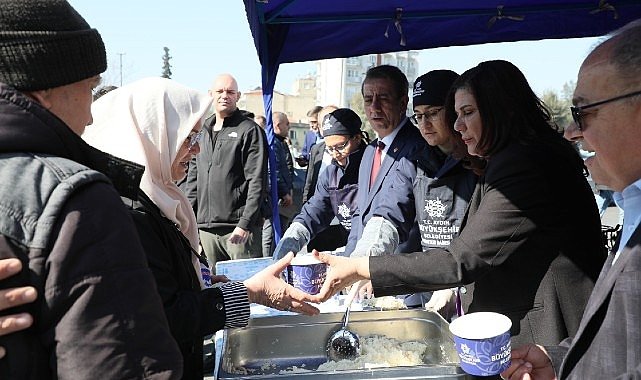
607,116
385,97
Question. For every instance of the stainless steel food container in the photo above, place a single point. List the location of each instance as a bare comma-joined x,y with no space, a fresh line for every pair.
270,345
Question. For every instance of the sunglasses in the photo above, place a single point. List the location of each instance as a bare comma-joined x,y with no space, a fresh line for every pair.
578,112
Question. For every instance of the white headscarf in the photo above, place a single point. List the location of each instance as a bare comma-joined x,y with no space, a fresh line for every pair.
147,122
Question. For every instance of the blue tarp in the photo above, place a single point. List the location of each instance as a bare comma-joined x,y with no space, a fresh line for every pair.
305,30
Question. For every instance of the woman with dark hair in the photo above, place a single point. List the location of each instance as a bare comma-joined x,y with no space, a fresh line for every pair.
335,195
523,250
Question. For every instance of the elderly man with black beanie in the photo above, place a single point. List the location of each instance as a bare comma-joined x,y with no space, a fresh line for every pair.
98,314
335,194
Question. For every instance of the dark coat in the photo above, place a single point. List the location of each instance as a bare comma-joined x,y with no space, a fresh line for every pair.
98,313
227,179
525,249
608,342
191,312
284,167
313,168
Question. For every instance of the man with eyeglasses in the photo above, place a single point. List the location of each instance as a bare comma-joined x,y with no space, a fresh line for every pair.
607,113
311,137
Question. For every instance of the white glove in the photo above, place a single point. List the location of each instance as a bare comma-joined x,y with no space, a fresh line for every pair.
379,237
293,240
440,299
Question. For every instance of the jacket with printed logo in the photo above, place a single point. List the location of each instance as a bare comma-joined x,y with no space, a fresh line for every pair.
227,180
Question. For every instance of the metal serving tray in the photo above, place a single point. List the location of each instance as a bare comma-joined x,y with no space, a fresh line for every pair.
270,345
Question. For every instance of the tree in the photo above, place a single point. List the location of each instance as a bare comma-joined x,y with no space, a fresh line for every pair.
166,67
559,105
356,104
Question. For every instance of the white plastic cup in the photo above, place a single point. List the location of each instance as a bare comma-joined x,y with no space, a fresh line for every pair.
483,342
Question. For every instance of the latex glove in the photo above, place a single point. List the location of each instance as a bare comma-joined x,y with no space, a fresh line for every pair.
440,299
293,240
379,237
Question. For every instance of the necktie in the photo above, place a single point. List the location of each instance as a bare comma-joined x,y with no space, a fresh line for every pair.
376,164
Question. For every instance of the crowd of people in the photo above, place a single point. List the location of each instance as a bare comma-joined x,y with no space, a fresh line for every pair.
116,208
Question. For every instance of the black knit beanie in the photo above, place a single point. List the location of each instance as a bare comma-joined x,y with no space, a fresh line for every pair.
46,44
431,89
342,121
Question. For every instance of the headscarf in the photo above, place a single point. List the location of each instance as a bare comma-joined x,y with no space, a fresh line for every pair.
147,122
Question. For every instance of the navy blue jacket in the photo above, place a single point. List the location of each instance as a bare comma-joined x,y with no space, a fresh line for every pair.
319,210
310,141
406,143
284,173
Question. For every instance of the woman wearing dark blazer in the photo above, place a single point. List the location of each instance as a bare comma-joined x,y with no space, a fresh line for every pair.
529,245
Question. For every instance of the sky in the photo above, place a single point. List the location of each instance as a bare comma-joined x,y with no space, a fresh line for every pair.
209,37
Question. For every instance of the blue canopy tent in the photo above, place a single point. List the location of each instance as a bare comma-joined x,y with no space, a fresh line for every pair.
304,30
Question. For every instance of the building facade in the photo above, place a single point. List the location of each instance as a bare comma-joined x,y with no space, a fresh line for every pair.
340,79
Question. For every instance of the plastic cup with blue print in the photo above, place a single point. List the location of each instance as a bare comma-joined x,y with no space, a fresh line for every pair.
483,342
307,273
205,272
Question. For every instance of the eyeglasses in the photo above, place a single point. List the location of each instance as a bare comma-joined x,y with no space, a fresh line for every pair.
431,115
193,138
578,114
338,148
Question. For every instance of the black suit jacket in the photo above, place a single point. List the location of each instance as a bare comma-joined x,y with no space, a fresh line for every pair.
313,168
529,247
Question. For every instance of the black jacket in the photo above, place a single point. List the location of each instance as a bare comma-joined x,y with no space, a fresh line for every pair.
191,312
98,314
313,169
524,249
227,180
284,165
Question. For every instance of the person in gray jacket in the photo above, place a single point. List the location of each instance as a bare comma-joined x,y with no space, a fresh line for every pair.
607,114
99,315
226,181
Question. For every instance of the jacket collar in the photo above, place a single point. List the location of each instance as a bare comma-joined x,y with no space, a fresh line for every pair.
230,121
26,126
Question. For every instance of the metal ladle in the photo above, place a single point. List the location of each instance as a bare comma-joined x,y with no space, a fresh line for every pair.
345,344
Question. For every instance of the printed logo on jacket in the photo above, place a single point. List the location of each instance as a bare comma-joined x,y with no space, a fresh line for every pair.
437,229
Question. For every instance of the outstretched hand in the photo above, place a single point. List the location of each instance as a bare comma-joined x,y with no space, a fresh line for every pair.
529,362
341,273
268,288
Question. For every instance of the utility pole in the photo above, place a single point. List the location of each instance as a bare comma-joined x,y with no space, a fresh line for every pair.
121,54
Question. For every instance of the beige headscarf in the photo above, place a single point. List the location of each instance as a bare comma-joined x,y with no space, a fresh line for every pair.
147,122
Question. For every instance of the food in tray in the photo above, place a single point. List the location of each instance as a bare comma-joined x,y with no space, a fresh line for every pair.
384,303
379,351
